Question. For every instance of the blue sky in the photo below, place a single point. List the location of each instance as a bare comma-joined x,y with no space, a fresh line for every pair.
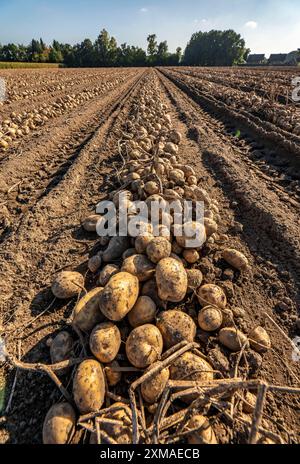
267,25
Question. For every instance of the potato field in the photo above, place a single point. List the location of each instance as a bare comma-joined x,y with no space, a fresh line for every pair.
145,339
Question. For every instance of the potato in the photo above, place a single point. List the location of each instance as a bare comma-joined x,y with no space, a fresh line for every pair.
204,436
113,377
119,296
94,263
153,389
250,402
176,249
115,249
122,434
260,340
128,253
195,279
89,386
210,318
59,425
211,227
191,235
191,256
176,326
67,284
138,226
177,176
144,346
232,338
158,248
86,313
139,266
189,366
105,342
61,347
210,294
107,272
236,259
175,137
143,312
151,188
90,223
171,280
192,180
141,243
150,289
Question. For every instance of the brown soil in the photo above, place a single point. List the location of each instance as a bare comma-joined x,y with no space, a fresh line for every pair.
61,175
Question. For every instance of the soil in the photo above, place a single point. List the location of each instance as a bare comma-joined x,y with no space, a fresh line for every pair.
62,173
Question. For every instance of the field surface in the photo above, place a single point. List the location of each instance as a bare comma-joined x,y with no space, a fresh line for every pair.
241,135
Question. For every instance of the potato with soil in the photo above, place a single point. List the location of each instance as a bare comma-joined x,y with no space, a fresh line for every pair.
191,256
112,375
67,284
210,294
107,272
141,243
232,338
175,327
120,427
205,435
260,340
210,318
86,313
153,388
171,280
59,425
144,346
195,278
116,247
89,386
150,289
61,347
90,223
158,249
119,296
143,312
105,342
139,266
236,259
191,235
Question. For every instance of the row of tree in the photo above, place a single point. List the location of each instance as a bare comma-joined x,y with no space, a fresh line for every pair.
214,48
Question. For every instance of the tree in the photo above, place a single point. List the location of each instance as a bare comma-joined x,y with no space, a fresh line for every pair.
215,48
152,48
102,47
162,53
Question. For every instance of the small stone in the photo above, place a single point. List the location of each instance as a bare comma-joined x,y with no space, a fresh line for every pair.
239,312
228,288
218,360
228,274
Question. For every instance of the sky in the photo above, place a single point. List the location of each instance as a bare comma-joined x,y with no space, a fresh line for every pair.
268,26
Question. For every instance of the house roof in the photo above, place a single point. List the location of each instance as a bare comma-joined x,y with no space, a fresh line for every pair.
278,57
255,58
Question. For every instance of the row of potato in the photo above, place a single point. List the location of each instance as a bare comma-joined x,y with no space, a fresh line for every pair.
21,124
142,284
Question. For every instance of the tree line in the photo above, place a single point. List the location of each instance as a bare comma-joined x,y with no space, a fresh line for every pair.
214,48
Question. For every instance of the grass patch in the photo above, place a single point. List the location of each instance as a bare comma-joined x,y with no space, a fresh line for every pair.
11,65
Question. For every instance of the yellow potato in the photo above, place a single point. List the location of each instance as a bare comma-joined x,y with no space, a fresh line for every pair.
171,280
105,342
232,338
107,272
175,327
119,296
211,227
236,259
210,318
260,340
90,223
204,436
158,248
143,312
212,295
144,346
195,279
191,256
141,243
67,284
139,266
59,425
121,433
153,389
113,377
89,386
191,235
61,347
87,313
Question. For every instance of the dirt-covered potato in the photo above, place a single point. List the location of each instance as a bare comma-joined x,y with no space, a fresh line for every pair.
139,266
141,243
90,223
205,435
153,389
61,347
119,296
195,278
158,249
105,342
89,386
59,425
249,403
212,295
107,272
128,253
176,249
86,313
211,227
150,289
210,318
67,284
260,340
151,187
120,427
94,263
144,346
191,235
175,327
143,312
113,377
236,259
191,256
116,247
232,338
171,280
189,366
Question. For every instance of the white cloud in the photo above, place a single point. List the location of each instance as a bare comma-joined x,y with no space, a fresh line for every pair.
200,21
251,25
144,10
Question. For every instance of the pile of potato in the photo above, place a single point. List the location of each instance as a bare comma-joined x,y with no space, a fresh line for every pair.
136,311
